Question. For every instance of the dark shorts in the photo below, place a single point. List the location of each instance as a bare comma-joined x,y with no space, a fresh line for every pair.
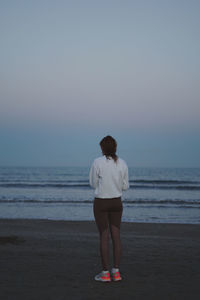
107,212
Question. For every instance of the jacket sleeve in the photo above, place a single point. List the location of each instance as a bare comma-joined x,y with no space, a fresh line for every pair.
93,176
125,184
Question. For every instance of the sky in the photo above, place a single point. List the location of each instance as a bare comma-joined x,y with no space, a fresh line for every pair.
75,71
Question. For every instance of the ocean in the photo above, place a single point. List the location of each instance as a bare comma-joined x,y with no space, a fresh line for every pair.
156,195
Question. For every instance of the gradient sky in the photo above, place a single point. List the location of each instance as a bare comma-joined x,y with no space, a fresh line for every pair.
74,71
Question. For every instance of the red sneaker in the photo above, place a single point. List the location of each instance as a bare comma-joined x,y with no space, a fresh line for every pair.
116,276
104,276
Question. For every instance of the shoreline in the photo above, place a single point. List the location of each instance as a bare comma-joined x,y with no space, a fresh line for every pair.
85,221
54,259
80,212
91,221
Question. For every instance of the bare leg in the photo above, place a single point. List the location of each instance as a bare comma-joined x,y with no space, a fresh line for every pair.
101,218
117,246
104,248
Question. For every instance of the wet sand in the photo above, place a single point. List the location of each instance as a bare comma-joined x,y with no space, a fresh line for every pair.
42,259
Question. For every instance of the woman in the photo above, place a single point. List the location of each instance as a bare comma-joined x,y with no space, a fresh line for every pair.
109,177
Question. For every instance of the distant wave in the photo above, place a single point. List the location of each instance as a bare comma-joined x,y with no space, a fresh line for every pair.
44,185
43,201
165,201
135,201
42,181
166,187
164,181
146,181
182,185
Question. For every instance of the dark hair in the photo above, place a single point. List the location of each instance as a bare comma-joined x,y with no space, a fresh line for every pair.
109,147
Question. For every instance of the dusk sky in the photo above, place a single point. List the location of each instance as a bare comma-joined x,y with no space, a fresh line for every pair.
74,71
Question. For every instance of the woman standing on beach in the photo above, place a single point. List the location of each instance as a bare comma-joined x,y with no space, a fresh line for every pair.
109,177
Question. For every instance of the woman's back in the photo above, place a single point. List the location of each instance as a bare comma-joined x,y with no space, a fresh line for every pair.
109,177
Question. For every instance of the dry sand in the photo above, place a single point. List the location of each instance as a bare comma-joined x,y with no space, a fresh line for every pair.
43,259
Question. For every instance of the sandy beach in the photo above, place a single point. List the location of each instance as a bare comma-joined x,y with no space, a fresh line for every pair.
43,259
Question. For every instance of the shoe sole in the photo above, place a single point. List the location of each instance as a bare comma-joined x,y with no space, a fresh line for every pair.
115,280
102,280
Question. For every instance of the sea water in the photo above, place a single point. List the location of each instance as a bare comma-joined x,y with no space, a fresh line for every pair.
167,195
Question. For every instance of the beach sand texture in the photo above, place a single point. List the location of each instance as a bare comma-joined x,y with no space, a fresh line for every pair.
43,259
